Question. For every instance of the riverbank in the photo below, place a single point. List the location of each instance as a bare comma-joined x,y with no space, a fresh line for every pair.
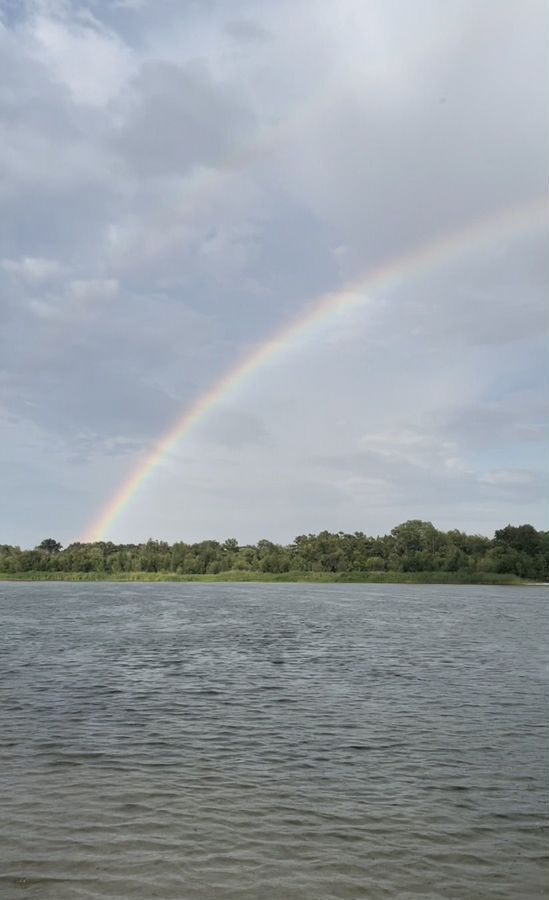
278,577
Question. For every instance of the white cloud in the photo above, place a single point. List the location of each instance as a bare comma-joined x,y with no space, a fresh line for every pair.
33,269
507,477
91,63
89,289
43,310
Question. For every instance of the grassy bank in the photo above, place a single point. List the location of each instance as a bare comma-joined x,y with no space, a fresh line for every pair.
285,577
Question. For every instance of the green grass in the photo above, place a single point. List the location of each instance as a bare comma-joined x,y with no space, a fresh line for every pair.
285,577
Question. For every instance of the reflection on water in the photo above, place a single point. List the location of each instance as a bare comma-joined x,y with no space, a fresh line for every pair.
272,741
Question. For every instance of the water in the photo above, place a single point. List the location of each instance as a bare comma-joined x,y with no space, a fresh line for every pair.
285,742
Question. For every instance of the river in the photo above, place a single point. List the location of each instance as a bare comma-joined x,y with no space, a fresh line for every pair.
273,742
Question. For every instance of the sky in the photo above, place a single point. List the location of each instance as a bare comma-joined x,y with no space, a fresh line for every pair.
182,180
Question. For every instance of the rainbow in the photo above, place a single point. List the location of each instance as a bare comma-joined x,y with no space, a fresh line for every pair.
389,274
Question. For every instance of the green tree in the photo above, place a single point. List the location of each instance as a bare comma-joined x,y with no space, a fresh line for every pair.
49,546
523,538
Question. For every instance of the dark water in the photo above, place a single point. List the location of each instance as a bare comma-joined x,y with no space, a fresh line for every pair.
273,741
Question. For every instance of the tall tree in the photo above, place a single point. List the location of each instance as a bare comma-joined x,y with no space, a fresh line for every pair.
49,546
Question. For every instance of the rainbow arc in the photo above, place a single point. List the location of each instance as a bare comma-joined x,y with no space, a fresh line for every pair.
435,253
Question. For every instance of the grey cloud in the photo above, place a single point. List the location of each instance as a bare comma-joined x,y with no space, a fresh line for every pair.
56,179
232,505
102,363
402,483
245,31
178,118
518,417
91,400
234,428
496,297
462,158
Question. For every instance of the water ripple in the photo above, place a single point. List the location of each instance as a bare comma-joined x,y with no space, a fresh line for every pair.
287,742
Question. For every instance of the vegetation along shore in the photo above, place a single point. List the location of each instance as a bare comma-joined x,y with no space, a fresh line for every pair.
414,552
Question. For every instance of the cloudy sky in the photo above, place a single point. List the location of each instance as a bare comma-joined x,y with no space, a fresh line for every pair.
180,180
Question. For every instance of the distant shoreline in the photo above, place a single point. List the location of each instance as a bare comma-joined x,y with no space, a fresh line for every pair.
414,552
280,578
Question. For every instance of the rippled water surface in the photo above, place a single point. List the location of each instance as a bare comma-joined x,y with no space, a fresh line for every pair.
273,741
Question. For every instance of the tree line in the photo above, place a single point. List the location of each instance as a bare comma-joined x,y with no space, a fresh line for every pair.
413,546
